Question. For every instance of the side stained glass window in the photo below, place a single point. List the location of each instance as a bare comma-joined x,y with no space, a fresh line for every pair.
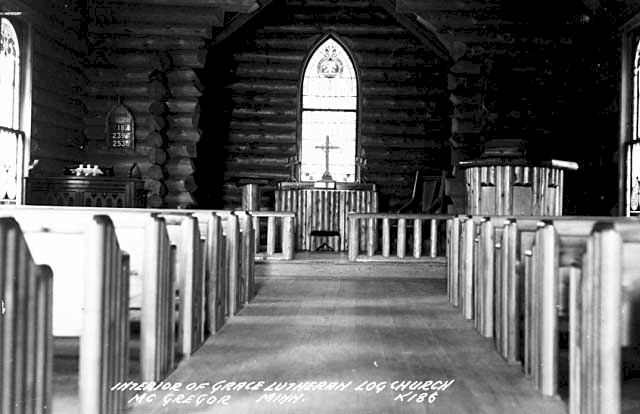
9,75
329,115
633,147
11,138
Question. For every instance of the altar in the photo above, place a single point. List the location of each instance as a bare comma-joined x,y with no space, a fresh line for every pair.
319,209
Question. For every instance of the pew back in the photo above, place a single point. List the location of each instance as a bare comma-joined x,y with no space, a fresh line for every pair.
145,238
25,327
103,272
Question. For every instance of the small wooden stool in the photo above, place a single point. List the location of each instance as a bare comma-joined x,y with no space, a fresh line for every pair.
325,233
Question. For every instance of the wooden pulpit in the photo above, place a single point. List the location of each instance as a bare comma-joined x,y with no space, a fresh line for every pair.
515,186
322,210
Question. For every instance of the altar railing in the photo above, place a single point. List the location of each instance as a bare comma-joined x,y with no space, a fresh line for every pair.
401,233
280,226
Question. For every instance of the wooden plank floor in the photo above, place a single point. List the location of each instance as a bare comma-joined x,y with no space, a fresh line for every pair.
350,331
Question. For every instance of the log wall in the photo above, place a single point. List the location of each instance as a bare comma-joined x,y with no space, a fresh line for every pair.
157,57
403,113
546,88
57,82
147,56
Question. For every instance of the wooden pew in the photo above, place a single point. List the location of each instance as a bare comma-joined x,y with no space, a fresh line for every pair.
100,315
184,232
557,258
541,277
238,247
26,346
465,287
603,298
240,234
453,260
231,232
152,260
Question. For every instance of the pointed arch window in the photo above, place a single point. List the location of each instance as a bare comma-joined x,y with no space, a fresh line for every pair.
329,115
11,138
633,145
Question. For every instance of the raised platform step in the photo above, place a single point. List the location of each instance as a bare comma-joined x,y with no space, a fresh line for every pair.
336,265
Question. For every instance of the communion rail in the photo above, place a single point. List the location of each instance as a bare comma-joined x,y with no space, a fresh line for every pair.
277,222
399,232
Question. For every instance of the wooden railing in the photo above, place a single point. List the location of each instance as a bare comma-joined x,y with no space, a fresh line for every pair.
408,231
277,222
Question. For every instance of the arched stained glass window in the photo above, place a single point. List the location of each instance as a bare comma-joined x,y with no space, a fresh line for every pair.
9,75
329,115
633,148
11,139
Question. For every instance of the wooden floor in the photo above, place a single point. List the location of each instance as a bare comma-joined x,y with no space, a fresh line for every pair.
321,339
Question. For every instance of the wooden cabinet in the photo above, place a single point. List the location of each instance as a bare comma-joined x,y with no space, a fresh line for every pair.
85,191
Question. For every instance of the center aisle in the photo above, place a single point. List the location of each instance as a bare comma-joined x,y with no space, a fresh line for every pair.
314,342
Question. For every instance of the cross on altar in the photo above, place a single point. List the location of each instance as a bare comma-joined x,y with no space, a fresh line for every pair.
326,148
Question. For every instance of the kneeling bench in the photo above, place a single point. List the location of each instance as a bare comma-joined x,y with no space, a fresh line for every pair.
324,233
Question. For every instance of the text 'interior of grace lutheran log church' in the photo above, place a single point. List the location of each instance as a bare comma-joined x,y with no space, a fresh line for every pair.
319,206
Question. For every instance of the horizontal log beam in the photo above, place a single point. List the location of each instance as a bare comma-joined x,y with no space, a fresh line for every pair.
336,27
182,199
134,60
264,113
276,128
275,71
184,135
134,14
120,75
183,184
146,42
203,31
189,150
419,6
265,86
183,120
183,104
242,136
152,90
184,89
239,6
189,58
261,151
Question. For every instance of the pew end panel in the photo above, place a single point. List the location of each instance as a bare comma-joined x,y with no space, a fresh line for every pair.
26,344
97,286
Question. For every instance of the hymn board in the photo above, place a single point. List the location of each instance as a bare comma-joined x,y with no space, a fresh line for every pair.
321,206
